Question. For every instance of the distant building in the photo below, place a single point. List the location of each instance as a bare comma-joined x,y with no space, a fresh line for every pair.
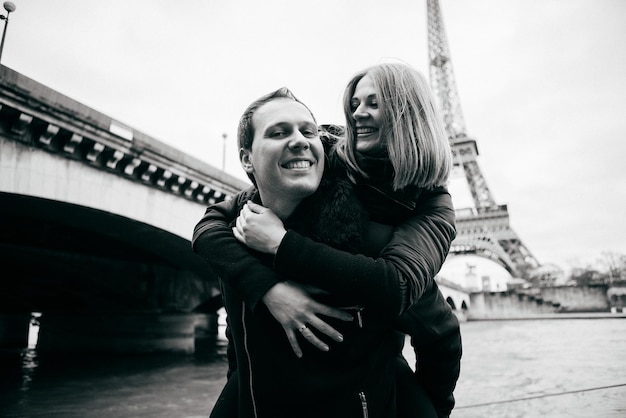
476,274
548,275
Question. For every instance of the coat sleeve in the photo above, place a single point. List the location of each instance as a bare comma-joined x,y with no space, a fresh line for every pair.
393,281
429,321
234,263
420,246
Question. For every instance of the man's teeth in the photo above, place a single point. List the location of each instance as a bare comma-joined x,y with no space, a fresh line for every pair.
298,164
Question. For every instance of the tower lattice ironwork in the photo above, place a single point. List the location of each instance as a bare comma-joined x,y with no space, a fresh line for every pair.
483,230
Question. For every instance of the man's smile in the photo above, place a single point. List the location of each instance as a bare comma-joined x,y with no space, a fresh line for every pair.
297,164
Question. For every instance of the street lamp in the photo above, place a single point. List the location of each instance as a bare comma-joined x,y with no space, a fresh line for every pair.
224,136
9,7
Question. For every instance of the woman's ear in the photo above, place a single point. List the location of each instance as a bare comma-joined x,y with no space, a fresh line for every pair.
246,160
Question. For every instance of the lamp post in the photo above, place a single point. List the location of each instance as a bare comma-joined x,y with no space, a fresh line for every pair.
9,7
224,136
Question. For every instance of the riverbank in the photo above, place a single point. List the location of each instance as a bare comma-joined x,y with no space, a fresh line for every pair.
564,315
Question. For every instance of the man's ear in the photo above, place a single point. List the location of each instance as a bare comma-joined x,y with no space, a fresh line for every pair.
246,160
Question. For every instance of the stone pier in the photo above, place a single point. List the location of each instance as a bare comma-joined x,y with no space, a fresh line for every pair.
124,333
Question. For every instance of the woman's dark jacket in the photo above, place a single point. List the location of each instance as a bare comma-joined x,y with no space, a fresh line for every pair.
401,277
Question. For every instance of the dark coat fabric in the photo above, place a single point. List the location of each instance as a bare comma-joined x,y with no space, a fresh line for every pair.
357,373
400,280
417,252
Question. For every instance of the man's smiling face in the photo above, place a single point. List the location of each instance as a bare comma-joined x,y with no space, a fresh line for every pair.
287,156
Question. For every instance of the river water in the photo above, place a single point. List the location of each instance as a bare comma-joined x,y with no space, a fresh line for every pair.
512,369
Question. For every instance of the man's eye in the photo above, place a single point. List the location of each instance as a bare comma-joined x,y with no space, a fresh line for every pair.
310,133
278,134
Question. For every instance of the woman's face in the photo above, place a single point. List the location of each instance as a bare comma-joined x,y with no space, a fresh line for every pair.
367,115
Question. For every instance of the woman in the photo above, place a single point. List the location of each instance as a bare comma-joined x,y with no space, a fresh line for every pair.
396,157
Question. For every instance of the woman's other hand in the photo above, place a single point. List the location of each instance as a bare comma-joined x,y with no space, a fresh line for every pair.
298,312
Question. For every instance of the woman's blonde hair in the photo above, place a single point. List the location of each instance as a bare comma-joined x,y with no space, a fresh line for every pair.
417,143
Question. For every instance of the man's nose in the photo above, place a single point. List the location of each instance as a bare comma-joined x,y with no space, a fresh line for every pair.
299,141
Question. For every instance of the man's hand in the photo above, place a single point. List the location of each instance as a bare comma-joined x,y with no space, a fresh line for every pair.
259,228
296,311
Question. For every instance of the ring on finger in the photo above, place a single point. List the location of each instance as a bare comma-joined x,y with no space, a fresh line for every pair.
302,328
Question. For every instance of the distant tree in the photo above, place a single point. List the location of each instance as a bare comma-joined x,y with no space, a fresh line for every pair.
614,265
585,276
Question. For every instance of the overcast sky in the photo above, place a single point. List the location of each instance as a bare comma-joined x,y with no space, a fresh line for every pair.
542,85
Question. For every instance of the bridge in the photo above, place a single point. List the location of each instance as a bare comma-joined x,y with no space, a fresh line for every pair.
96,222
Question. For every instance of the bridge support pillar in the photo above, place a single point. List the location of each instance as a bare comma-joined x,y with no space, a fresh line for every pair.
14,330
124,333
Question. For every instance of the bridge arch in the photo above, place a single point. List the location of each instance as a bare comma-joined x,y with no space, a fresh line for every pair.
72,257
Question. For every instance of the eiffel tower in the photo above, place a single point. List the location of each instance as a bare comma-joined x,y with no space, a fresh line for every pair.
483,230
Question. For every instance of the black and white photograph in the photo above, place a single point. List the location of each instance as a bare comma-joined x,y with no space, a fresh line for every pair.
298,209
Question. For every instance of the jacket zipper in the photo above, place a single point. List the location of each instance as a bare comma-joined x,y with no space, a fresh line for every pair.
245,344
358,309
363,404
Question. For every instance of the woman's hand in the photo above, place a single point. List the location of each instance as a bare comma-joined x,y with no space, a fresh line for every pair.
297,311
259,228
